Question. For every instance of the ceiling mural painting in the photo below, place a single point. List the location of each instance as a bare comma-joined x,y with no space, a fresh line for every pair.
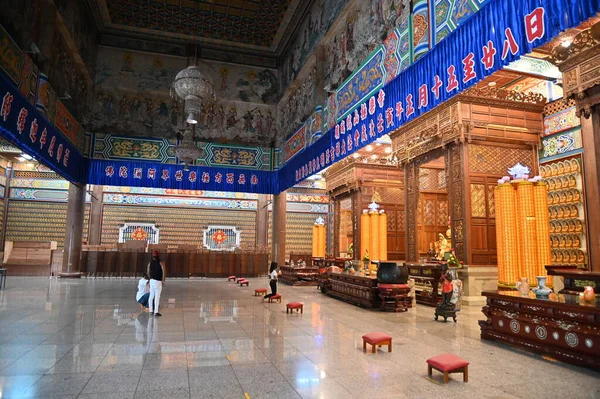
133,98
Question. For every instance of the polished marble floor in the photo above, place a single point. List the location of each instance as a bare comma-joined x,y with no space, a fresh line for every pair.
86,339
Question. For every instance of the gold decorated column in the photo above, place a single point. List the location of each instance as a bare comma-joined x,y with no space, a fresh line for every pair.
382,236
322,241
526,227
374,219
542,219
315,241
508,246
365,234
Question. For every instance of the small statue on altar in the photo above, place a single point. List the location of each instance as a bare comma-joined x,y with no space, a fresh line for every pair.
444,246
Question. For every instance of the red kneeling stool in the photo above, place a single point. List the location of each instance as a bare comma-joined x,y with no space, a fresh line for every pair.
377,339
276,297
244,282
231,278
260,291
448,364
240,279
294,305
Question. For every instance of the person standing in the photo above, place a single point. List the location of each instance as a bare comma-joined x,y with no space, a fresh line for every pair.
156,271
272,280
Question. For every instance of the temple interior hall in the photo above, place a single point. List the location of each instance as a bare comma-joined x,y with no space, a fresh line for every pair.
311,199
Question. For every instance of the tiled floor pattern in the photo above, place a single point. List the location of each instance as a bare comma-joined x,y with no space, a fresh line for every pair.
86,339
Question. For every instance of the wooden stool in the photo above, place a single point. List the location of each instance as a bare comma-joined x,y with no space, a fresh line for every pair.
448,364
260,291
294,305
244,282
231,278
276,297
377,339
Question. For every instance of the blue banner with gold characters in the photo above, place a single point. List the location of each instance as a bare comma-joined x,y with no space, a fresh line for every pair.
160,175
24,126
501,32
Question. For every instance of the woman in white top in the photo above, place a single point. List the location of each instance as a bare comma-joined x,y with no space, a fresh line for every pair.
143,292
272,279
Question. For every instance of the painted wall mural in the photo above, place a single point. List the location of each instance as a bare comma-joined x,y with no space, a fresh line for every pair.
295,144
108,146
561,121
134,98
315,25
421,28
18,66
363,83
561,143
449,14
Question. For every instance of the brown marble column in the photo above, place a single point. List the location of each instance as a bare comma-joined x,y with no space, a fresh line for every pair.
411,198
95,235
262,221
74,232
356,214
278,231
590,136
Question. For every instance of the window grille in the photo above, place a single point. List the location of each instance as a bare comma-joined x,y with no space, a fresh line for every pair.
221,238
139,231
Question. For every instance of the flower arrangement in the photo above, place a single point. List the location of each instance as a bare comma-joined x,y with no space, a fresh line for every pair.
453,262
366,258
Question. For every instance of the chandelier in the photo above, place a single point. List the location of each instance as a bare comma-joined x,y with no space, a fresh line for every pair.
186,150
192,86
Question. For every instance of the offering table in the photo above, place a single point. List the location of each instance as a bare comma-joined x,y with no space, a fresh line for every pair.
566,330
427,279
299,275
354,289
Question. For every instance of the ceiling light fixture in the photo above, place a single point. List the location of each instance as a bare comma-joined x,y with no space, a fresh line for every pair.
21,159
186,150
388,150
26,156
355,155
374,156
369,148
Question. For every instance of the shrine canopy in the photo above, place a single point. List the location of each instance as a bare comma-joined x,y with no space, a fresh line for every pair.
500,33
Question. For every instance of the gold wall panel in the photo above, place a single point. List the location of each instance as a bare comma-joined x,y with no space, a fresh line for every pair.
478,208
40,221
493,160
178,225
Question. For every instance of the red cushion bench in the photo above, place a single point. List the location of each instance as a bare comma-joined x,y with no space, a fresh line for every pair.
376,339
448,364
244,282
299,306
231,278
276,297
240,279
260,291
